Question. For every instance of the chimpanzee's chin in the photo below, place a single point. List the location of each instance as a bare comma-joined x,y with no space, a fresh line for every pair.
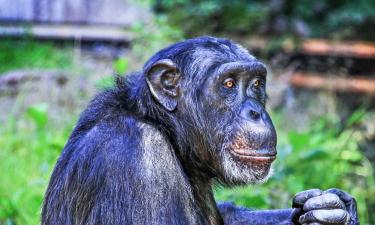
236,172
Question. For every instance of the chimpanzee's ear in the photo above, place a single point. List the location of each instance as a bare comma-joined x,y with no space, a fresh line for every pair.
163,80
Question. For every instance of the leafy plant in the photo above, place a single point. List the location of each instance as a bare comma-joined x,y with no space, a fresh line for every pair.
27,53
29,149
153,36
120,67
320,19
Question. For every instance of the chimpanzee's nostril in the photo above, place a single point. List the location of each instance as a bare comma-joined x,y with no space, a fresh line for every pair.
254,115
253,111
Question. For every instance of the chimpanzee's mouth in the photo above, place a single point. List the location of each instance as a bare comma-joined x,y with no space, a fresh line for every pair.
255,155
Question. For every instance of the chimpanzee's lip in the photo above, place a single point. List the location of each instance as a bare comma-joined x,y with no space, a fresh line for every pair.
256,155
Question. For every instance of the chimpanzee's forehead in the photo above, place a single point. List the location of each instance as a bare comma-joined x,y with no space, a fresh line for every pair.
197,49
205,58
219,45
222,53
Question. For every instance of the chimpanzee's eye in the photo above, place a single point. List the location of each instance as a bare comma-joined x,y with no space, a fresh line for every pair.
229,83
256,84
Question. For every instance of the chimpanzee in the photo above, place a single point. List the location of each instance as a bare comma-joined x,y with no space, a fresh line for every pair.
149,150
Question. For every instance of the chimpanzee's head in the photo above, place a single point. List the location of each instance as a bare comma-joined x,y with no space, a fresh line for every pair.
215,93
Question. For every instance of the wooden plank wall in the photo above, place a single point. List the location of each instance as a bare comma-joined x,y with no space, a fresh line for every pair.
108,12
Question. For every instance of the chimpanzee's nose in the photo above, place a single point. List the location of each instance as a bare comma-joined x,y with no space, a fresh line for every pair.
251,110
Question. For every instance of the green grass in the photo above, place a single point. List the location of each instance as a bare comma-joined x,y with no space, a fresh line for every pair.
29,54
29,149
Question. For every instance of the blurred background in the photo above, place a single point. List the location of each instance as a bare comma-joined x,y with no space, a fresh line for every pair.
55,55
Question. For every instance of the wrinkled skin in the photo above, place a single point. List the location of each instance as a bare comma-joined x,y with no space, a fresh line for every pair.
150,149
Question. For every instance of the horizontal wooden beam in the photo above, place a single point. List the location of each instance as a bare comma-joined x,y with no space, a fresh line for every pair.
69,32
345,48
358,49
333,83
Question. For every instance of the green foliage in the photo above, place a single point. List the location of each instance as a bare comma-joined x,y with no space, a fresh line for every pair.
214,15
322,19
26,54
38,114
324,157
151,37
30,146
105,82
120,67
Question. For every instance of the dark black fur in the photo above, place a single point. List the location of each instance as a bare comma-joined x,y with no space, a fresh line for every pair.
134,160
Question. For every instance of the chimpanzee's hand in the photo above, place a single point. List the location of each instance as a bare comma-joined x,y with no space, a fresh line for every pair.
316,207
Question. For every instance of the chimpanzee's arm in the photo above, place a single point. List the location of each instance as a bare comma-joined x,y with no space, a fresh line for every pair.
240,216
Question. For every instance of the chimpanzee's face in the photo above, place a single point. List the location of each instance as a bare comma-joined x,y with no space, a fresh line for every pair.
236,94
241,135
214,92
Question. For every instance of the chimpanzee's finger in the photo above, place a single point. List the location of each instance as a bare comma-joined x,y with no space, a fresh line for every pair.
326,216
350,203
301,197
342,194
296,213
324,201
